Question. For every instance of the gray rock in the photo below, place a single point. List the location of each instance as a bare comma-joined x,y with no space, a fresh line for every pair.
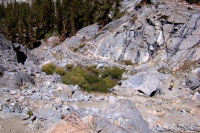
100,124
191,40
124,108
13,92
113,129
89,31
97,99
25,77
6,109
17,108
44,114
72,42
2,69
144,82
77,96
36,97
25,122
178,18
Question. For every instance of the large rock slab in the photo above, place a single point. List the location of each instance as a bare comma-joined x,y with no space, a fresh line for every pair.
145,82
70,124
128,117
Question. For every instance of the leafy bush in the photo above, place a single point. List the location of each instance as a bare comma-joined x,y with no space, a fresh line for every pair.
29,113
127,62
49,68
60,71
89,80
91,67
107,71
47,35
69,66
116,73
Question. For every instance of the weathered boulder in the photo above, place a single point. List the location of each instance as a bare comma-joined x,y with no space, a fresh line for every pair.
89,31
70,123
25,77
113,129
144,82
45,113
128,117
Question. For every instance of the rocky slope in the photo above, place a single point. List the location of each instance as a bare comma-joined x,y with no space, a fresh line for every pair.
161,41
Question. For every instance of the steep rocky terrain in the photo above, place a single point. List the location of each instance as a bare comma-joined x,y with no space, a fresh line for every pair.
161,42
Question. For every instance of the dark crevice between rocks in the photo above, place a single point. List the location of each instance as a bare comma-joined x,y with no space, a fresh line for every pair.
156,92
36,44
141,92
149,22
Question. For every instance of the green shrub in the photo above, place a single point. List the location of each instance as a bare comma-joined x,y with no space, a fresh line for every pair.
69,66
29,113
47,35
60,71
107,71
49,68
98,86
91,67
116,73
127,62
91,78
87,78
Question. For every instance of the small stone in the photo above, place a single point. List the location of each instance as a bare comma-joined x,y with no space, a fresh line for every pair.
13,92
59,88
21,99
112,99
154,112
58,100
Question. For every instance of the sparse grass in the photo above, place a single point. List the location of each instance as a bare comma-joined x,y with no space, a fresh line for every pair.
82,45
75,49
164,70
97,35
29,113
55,44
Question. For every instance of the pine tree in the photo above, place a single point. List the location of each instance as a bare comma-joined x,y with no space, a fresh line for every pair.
59,17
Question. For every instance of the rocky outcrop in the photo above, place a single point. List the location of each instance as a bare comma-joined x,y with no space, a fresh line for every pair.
15,52
14,75
164,36
161,33
126,117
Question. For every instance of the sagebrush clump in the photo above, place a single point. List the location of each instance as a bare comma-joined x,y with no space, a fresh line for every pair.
49,68
60,71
